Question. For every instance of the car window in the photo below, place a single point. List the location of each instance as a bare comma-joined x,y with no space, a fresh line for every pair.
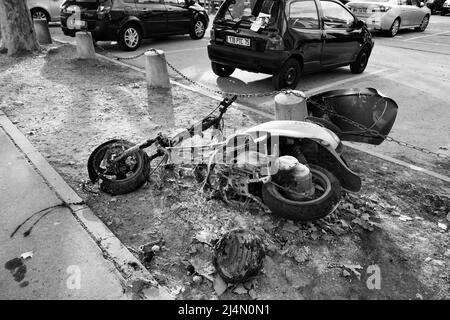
335,16
303,15
244,10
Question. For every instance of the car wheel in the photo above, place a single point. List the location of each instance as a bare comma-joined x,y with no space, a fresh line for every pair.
40,14
394,28
423,24
288,76
130,37
360,64
198,29
222,70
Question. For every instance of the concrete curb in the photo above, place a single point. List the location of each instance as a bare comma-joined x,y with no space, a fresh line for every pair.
127,265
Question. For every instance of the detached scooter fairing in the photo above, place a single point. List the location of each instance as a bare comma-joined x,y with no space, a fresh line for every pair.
367,107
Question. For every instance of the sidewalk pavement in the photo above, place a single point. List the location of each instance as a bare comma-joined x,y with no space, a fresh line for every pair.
66,262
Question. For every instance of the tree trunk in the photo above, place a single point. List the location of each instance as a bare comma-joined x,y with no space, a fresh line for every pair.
16,27
2,47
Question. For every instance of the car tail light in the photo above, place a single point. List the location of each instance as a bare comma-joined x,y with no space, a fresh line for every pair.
275,43
381,9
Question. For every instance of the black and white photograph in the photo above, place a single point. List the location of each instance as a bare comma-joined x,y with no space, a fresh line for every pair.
223,154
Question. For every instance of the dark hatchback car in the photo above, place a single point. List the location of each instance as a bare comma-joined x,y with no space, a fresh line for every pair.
130,21
287,38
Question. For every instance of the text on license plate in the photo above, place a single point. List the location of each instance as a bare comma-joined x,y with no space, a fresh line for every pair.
239,41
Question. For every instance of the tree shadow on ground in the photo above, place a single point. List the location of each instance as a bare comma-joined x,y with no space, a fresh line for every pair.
8,62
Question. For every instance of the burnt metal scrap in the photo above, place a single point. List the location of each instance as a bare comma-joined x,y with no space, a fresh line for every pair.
239,255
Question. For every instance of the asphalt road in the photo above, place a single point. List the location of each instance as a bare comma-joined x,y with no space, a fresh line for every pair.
412,68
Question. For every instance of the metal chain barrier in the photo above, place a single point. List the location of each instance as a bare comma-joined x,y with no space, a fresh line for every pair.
366,130
120,58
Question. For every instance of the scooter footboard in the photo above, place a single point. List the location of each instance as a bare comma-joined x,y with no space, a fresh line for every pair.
367,107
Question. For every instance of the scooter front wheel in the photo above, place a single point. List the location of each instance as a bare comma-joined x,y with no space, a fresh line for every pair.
125,176
327,195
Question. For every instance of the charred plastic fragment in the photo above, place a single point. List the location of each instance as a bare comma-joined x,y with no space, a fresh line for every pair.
238,255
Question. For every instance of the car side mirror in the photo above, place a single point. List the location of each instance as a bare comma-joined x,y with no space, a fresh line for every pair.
421,4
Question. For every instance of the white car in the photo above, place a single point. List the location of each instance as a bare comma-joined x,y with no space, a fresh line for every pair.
391,15
45,9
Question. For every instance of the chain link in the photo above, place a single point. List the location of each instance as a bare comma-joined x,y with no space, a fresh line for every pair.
130,58
300,94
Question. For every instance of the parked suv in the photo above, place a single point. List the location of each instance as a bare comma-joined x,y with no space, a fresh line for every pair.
287,38
130,21
45,9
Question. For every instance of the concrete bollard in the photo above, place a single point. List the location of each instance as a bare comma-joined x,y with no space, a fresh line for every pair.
85,45
42,31
291,106
156,70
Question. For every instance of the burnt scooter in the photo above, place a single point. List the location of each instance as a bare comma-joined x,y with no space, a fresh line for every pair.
294,168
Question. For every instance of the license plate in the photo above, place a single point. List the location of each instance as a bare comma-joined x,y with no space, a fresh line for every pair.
76,24
238,41
360,10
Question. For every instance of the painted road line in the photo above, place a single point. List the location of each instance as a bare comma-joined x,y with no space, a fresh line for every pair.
337,83
419,50
431,43
426,36
399,162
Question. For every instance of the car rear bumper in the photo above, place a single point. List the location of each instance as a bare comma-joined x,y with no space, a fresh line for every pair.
377,21
100,30
267,61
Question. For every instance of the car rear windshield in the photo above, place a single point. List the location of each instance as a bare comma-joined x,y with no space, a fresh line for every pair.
249,11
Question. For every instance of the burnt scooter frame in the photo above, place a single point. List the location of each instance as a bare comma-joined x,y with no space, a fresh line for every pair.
374,113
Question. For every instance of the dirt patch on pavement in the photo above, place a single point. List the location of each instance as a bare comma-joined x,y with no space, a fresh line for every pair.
382,243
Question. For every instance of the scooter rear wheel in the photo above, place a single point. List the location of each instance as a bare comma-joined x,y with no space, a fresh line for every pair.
328,194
